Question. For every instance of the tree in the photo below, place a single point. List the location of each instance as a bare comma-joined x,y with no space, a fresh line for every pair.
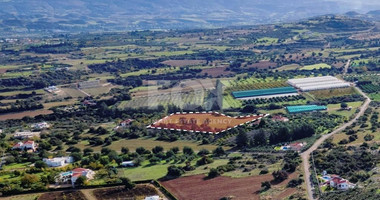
140,150
260,138
280,175
124,150
343,105
81,180
219,151
76,156
203,152
87,151
265,185
242,139
188,150
213,173
154,160
128,184
174,171
40,164
28,179
157,149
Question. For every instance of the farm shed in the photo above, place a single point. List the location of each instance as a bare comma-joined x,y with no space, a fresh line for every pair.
318,83
265,93
305,108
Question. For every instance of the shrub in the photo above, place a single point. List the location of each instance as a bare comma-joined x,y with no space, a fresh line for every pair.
213,173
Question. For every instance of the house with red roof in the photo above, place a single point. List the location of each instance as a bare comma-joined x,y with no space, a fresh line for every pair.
126,123
66,177
28,145
280,118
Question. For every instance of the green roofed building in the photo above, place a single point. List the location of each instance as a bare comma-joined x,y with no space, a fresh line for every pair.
265,92
305,108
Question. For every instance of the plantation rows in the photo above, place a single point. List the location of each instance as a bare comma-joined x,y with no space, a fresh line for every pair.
256,86
177,99
370,88
274,100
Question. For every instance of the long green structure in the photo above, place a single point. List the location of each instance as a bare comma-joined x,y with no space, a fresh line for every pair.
264,92
305,108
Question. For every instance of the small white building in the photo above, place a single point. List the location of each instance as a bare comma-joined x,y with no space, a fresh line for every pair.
127,164
39,126
126,123
26,134
155,197
59,161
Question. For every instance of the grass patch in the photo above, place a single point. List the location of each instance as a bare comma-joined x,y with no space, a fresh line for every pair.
335,109
316,66
288,67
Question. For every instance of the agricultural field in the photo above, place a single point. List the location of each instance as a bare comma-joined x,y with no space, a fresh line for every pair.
316,66
329,93
202,122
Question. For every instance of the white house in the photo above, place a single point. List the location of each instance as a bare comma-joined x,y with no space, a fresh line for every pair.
155,197
59,161
72,176
127,164
40,125
78,172
26,135
340,183
28,145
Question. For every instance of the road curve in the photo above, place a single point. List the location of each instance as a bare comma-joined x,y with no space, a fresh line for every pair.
306,155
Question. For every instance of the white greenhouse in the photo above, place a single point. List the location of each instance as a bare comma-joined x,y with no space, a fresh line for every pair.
318,83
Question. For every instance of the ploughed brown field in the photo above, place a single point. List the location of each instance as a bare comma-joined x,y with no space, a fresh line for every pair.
216,71
196,187
204,122
72,195
200,188
121,193
181,63
263,65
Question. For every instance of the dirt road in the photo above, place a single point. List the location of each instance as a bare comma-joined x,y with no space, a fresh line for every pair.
346,67
306,155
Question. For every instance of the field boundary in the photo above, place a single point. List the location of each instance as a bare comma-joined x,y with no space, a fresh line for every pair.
210,112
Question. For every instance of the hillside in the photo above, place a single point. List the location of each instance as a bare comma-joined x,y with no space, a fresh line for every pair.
30,16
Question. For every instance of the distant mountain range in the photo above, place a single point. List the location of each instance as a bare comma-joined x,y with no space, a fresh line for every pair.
55,16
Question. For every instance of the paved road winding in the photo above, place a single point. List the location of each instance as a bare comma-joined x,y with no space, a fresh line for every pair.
306,155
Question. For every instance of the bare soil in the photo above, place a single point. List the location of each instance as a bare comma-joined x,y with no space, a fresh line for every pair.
21,115
200,188
121,193
72,195
182,63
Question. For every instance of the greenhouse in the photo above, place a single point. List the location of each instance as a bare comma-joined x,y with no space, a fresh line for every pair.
318,83
305,108
265,92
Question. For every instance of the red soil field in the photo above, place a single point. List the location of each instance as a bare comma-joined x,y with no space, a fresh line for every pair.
203,122
263,65
20,115
181,63
196,187
216,71
2,71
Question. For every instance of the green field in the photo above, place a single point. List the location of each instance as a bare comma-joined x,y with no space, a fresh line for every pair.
316,66
288,67
334,109
132,144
